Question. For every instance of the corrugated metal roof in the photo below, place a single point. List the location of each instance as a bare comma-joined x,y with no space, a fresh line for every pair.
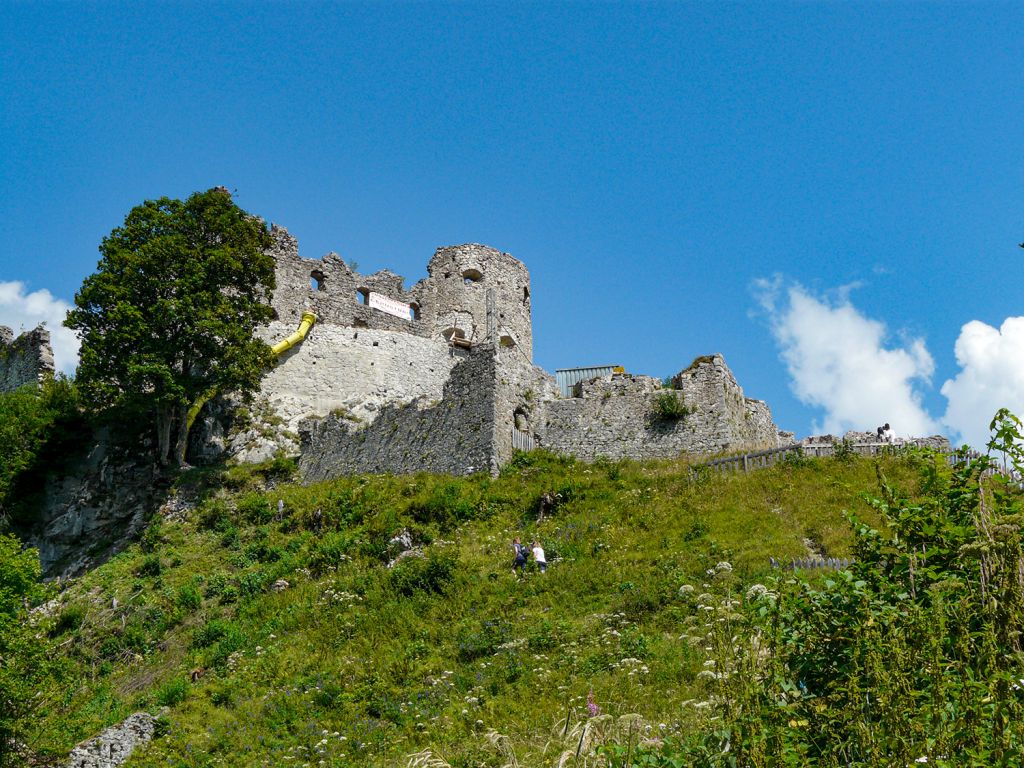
567,378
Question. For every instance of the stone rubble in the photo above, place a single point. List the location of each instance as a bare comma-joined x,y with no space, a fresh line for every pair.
115,745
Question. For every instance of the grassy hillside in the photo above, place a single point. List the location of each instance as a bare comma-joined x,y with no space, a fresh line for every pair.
355,663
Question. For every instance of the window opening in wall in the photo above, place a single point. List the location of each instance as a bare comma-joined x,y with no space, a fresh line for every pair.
507,341
521,419
526,294
470,276
414,311
450,333
316,280
363,295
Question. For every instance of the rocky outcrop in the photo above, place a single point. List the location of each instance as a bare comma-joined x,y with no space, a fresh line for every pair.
115,745
94,506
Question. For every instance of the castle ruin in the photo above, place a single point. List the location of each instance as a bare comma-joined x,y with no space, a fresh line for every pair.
439,377
27,359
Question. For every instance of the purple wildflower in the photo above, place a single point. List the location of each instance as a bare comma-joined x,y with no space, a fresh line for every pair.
592,707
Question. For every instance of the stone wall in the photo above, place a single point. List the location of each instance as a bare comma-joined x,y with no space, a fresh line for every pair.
616,416
27,359
355,372
453,434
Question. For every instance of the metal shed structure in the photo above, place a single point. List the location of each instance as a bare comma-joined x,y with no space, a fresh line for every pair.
567,378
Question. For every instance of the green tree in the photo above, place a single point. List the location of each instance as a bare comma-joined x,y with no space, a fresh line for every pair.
31,418
21,654
169,314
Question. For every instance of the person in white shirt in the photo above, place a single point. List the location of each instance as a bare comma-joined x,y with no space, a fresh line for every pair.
538,556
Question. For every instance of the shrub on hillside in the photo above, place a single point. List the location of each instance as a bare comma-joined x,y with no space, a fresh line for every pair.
447,505
432,573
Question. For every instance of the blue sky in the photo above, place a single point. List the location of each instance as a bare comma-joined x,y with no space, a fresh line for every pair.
825,193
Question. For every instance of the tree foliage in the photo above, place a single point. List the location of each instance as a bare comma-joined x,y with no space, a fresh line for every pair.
170,312
31,418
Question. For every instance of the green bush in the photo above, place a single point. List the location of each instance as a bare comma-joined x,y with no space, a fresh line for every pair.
670,406
68,620
256,508
151,565
432,573
330,551
172,692
188,598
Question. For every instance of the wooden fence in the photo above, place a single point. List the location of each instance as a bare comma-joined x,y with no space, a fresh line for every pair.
522,441
747,462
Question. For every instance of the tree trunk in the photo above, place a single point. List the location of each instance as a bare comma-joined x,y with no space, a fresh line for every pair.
164,415
181,443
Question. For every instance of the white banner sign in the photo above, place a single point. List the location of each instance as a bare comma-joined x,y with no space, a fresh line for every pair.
389,305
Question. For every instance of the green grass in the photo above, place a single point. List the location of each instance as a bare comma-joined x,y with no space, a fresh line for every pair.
358,664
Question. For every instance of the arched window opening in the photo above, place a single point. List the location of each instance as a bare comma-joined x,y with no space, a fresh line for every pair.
453,333
316,280
526,294
507,341
363,295
470,276
521,419
414,311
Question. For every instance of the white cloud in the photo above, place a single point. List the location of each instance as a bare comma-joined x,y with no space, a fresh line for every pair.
23,311
838,360
991,377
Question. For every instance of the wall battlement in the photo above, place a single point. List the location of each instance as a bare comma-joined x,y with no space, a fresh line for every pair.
451,301
27,359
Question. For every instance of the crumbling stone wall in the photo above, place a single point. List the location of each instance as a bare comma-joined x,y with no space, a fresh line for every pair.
616,416
358,361
27,359
453,299
453,434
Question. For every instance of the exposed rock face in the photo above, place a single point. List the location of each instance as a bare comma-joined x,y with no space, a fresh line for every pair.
27,359
94,507
616,416
115,745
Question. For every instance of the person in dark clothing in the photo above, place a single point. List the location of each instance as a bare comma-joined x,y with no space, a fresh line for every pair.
521,553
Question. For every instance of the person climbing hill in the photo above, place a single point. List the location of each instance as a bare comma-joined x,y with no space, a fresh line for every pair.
521,554
538,556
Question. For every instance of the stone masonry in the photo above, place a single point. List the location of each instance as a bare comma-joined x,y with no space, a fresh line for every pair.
445,380
27,359
616,416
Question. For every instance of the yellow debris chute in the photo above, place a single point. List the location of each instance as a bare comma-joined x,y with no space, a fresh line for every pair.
308,318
